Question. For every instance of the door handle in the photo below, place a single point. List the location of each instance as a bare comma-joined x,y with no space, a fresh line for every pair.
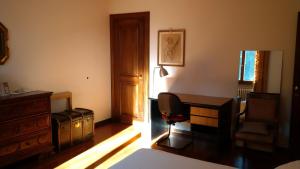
296,88
140,76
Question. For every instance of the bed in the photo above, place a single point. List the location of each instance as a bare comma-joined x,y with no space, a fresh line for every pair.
150,159
290,165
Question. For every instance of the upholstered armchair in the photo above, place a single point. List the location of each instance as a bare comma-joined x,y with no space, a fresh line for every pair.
259,126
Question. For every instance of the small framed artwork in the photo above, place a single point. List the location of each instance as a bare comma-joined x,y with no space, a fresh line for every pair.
171,47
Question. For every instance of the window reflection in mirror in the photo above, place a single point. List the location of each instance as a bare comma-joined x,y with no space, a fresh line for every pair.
259,71
247,66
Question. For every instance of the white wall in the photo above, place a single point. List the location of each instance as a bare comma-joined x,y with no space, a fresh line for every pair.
55,45
216,30
274,72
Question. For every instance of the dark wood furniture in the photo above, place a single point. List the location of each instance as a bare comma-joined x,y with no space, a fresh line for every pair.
214,112
25,126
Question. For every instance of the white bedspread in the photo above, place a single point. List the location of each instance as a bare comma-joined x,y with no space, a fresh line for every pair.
290,165
156,159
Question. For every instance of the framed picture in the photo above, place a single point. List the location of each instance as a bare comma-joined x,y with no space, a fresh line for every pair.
171,44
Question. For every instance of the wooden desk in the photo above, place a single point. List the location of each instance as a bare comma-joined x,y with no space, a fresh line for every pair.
214,112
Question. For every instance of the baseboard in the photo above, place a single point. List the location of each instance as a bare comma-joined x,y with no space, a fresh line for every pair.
103,122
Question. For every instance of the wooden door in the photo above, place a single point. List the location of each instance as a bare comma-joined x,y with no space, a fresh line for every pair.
129,35
295,117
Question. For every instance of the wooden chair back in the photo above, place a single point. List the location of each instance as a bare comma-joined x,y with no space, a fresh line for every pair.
262,107
63,95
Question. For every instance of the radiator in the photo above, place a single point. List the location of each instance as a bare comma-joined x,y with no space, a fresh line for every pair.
243,91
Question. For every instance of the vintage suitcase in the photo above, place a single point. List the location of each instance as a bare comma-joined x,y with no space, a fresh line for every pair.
61,131
67,125
76,126
67,128
87,122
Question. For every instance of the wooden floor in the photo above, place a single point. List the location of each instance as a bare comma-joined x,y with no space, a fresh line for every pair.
203,148
101,133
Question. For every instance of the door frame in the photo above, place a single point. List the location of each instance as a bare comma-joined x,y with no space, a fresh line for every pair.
294,125
146,16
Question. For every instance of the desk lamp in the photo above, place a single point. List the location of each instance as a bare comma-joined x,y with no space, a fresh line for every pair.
162,72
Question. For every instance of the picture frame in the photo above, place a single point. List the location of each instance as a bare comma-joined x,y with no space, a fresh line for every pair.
171,47
4,52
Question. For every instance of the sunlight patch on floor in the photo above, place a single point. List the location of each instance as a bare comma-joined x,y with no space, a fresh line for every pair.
143,142
95,153
131,148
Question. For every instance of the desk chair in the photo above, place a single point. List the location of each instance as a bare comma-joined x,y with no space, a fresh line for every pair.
172,111
259,128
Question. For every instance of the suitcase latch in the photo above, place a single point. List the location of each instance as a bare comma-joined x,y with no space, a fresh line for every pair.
77,124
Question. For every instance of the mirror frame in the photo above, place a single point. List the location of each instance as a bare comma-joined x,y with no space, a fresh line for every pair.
4,55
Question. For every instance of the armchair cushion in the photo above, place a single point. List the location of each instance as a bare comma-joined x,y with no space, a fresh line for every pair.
255,128
258,138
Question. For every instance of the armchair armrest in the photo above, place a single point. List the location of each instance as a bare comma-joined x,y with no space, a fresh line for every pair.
238,119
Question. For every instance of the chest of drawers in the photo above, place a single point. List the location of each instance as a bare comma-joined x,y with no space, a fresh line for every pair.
25,126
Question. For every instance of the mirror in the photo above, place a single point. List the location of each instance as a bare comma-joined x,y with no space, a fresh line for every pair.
3,44
259,71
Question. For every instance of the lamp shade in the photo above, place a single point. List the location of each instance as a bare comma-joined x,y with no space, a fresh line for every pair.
163,72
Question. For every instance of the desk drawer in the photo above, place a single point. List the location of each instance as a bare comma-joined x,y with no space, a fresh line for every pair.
204,121
204,112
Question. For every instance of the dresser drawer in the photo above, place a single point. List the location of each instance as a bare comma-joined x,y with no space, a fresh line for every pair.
35,123
29,142
24,108
9,149
24,126
8,130
204,112
35,141
204,121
